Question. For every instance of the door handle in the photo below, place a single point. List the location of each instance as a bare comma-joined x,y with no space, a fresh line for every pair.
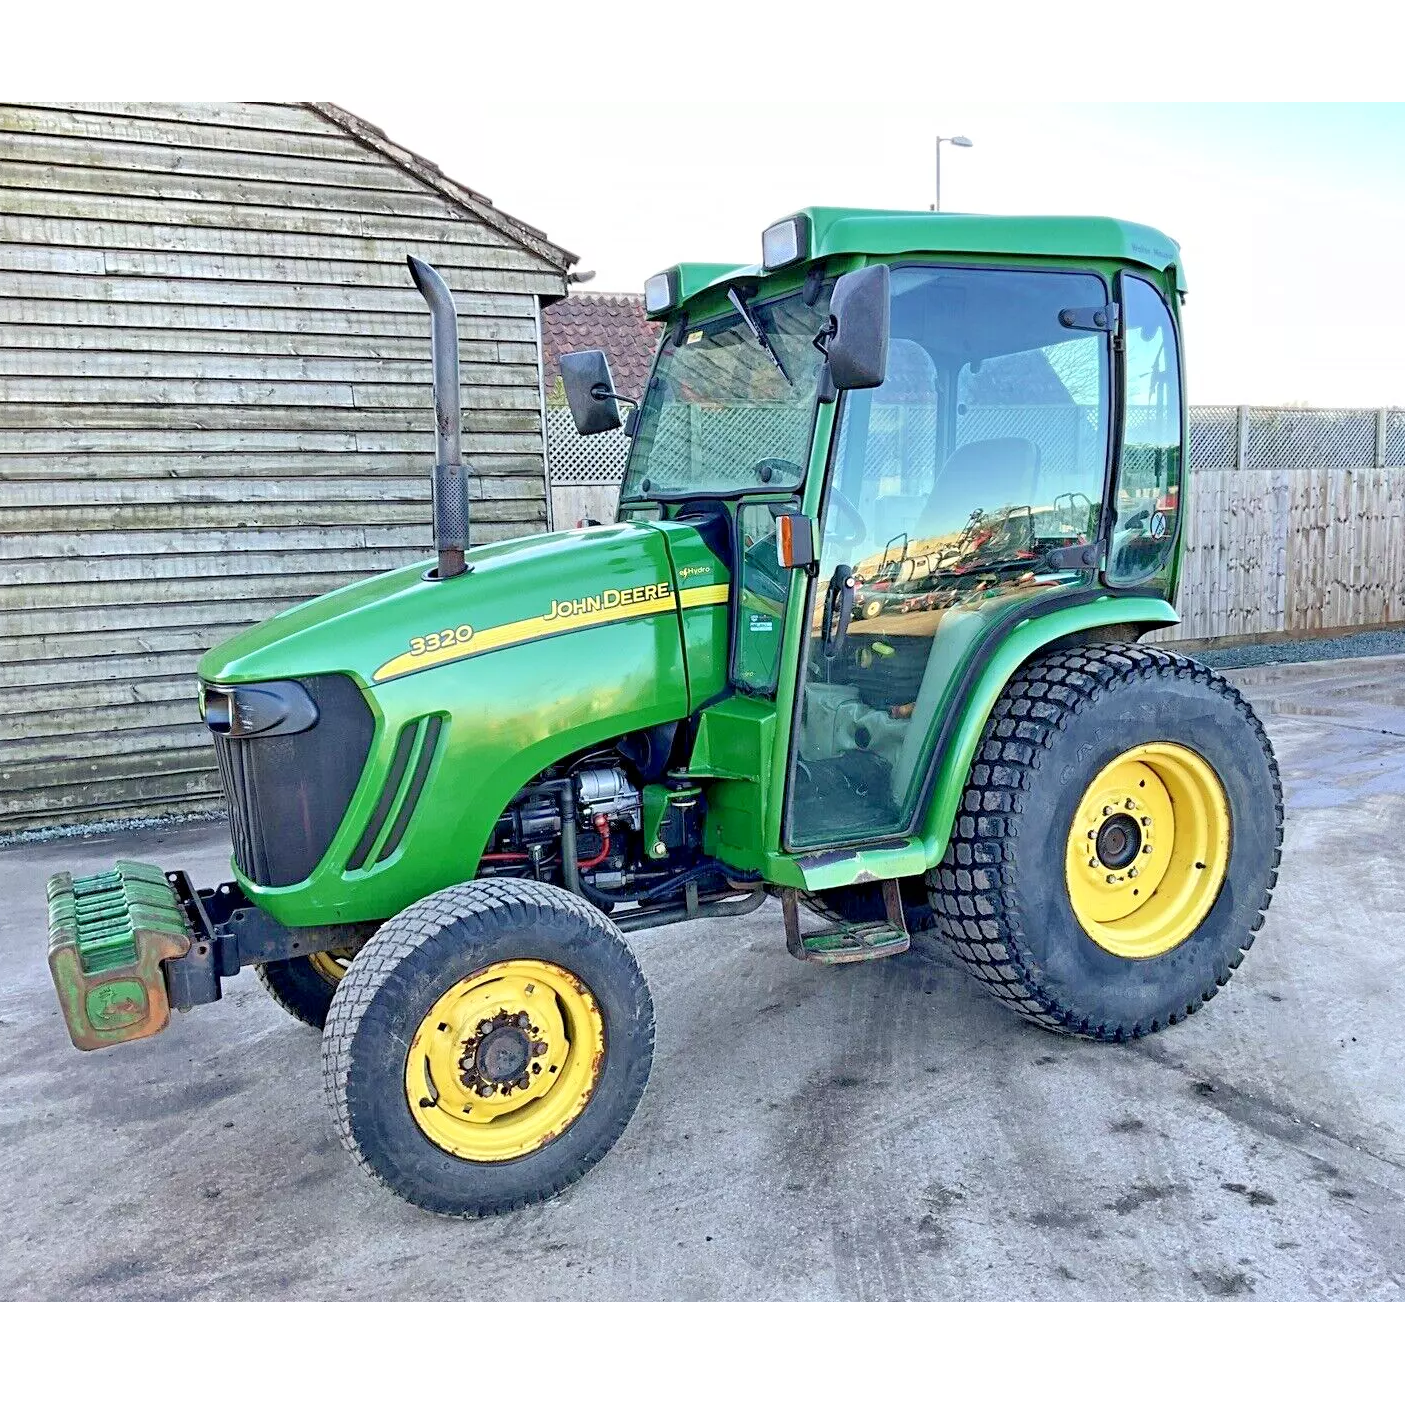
838,611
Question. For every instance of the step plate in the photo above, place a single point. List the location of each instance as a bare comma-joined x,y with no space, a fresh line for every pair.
865,943
108,935
843,942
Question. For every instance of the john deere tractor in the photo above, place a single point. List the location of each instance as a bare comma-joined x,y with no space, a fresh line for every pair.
455,788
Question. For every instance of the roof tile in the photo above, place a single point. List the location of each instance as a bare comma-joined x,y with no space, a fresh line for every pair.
610,322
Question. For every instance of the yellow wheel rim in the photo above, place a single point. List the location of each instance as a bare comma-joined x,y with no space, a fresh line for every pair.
505,1060
1148,849
330,965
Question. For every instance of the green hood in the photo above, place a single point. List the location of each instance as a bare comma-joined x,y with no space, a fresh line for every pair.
399,623
546,646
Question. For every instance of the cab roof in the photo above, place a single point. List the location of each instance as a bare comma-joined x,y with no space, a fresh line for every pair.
835,231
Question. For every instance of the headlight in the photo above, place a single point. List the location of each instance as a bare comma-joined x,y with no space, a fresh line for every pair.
258,709
784,242
661,292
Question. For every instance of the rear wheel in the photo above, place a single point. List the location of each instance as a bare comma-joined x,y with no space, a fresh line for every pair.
304,985
1117,845
488,1046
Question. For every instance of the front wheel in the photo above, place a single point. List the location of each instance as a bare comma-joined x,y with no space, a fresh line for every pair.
488,1046
304,985
1117,845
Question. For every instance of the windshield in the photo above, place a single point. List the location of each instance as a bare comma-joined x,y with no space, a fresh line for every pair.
720,416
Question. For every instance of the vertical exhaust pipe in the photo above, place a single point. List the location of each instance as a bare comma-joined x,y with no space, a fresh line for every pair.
450,475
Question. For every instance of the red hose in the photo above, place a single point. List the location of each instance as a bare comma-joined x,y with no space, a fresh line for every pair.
602,828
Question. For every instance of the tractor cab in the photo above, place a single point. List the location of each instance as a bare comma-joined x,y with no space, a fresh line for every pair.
994,448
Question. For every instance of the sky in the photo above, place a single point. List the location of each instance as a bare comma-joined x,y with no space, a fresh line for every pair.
1290,216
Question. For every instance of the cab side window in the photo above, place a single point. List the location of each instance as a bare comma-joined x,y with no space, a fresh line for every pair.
765,591
1149,481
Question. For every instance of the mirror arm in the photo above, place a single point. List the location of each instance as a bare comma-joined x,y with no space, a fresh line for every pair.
598,392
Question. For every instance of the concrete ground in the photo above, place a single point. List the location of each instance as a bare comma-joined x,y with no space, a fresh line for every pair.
881,1131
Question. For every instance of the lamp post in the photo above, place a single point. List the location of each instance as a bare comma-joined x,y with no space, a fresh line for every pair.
954,141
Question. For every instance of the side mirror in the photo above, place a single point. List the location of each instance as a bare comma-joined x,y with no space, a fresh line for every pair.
858,341
795,541
590,391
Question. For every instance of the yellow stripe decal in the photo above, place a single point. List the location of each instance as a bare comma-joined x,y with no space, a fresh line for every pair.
704,595
539,627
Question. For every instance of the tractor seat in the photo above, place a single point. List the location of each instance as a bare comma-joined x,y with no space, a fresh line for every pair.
985,473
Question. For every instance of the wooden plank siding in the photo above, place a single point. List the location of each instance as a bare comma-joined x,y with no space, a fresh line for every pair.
1295,550
214,403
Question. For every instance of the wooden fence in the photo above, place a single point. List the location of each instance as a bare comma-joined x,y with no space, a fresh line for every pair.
1295,550
1296,522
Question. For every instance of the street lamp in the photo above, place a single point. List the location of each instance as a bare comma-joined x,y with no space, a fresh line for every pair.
954,141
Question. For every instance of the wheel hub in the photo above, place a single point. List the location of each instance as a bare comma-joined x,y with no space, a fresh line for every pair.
1148,849
1119,839
501,1052
505,1060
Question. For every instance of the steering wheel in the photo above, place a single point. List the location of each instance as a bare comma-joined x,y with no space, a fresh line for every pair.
851,514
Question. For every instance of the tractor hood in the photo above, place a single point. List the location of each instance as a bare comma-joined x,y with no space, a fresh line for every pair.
544,647
531,589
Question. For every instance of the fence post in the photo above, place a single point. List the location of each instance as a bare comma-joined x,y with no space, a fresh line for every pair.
1382,430
1241,437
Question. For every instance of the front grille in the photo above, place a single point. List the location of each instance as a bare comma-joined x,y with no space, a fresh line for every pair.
287,794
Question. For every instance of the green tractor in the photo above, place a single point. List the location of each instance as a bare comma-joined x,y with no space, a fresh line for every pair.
454,788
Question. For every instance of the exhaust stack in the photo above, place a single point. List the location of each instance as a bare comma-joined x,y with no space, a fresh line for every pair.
450,475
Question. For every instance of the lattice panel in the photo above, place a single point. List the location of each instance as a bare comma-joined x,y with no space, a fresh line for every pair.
1394,446
1214,436
1311,439
740,435
575,458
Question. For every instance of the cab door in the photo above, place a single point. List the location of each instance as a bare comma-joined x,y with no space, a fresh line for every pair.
960,494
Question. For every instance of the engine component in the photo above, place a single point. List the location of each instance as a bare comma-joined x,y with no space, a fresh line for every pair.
538,818
606,790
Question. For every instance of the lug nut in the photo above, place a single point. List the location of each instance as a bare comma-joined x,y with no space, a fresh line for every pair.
523,1020
486,1027
1093,863
1112,878
1107,809
1131,873
1146,848
539,1047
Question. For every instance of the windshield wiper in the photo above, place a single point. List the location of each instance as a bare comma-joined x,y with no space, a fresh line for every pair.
735,298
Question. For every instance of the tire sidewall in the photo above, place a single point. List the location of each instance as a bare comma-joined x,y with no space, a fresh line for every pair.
302,990
1100,988
377,1108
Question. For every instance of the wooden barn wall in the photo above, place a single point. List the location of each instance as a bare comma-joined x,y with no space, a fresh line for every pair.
215,402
